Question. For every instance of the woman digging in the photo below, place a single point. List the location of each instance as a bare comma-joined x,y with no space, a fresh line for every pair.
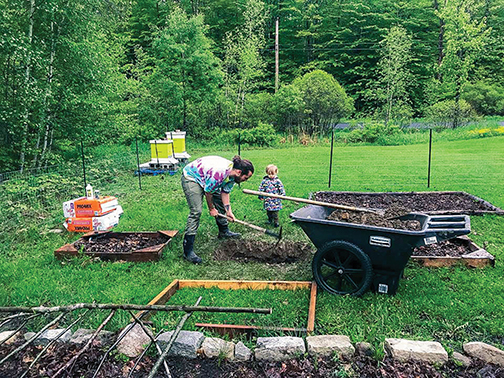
212,177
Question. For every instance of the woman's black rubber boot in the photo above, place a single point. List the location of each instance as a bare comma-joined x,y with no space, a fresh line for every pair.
189,254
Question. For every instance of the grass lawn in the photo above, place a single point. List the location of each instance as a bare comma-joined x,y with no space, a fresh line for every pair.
450,305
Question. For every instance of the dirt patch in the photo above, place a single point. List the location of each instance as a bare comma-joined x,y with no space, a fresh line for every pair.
120,244
250,250
378,220
421,202
184,368
454,248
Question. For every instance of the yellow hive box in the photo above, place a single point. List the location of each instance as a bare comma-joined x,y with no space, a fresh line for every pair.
179,145
161,149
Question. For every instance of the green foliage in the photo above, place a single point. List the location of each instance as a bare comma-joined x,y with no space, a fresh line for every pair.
391,88
443,113
325,101
185,73
371,133
485,97
263,135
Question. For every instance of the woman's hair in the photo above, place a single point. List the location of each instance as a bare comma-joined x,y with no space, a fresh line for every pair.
271,170
244,165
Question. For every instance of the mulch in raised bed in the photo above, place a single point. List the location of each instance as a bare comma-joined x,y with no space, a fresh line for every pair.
119,244
359,366
378,220
256,250
427,202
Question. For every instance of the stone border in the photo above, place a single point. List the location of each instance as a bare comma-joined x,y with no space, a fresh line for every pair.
191,344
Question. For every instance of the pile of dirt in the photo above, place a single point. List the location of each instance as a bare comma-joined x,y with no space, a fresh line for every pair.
359,366
119,244
378,220
253,250
453,247
420,202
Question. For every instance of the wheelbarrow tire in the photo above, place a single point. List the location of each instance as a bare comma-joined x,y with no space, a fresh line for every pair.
340,267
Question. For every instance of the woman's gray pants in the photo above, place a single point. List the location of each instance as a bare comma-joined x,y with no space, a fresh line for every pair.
195,196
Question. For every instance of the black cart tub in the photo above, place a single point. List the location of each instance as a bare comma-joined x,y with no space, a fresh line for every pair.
351,257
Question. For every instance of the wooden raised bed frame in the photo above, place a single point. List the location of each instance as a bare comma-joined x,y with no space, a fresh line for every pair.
152,253
230,329
477,261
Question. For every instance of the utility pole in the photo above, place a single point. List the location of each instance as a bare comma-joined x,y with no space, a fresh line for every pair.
276,56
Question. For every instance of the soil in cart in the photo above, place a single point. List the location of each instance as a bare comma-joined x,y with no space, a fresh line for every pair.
419,202
359,366
120,244
378,220
253,250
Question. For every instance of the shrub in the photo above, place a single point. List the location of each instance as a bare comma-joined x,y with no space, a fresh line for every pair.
485,98
371,133
442,114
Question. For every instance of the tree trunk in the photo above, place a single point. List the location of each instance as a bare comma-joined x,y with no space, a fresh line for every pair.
48,96
440,39
24,128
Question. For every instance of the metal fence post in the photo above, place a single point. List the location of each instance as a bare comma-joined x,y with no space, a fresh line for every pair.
138,166
331,158
83,166
430,156
239,144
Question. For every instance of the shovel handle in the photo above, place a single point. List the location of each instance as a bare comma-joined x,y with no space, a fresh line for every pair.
253,226
244,223
310,202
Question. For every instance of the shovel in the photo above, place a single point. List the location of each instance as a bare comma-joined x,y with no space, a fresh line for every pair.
310,202
257,228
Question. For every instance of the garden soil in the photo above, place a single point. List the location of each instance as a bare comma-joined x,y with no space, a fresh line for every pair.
378,220
454,248
256,250
123,244
359,366
420,202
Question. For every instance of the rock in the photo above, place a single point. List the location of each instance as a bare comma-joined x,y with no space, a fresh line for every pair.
49,335
242,353
485,352
186,344
134,342
279,348
427,351
7,335
213,347
364,349
82,336
327,345
461,359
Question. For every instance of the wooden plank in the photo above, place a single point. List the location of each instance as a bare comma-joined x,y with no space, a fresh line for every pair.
160,299
244,285
169,233
437,261
166,294
311,311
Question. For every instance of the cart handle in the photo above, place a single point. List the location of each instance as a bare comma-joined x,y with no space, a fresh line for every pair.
310,202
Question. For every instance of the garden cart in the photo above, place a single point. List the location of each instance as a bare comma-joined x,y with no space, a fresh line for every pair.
351,258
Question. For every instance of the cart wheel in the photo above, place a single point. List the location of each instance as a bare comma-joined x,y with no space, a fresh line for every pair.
340,267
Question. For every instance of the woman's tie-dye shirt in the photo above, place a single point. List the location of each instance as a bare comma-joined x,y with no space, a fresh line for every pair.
212,173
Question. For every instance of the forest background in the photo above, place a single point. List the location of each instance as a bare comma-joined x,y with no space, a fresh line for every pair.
111,71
